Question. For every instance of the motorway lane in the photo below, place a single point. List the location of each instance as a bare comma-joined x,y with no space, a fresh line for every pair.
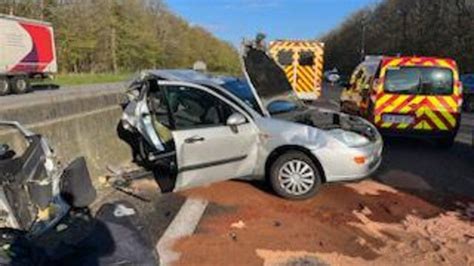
466,132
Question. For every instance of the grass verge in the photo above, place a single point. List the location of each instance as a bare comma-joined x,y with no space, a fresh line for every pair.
87,78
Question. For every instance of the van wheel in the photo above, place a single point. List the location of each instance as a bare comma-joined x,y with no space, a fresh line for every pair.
445,143
20,84
4,86
294,175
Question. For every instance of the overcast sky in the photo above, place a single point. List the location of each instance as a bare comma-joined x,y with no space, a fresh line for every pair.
279,19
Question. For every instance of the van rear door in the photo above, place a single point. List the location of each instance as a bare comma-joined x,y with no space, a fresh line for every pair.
419,96
398,104
440,107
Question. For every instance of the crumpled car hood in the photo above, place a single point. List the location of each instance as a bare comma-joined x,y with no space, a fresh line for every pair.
327,120
266,76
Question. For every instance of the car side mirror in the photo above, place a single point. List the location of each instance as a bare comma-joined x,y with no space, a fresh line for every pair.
236,119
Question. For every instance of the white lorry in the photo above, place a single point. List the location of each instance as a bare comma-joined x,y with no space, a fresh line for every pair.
27,51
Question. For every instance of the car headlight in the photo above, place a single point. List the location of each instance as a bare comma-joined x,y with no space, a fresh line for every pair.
349,138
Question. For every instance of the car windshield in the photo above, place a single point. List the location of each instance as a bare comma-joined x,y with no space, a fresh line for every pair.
468,80
419,80
242,90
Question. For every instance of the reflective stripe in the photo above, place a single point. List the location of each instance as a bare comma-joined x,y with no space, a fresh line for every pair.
305,79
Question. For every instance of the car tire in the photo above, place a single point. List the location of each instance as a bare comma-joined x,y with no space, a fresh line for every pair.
295,176
20,84
4,86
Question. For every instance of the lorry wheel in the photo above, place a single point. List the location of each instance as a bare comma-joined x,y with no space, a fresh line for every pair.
294,176
4,86
20,85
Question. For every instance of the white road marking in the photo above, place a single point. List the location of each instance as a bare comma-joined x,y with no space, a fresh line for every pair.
333,102
465,138
183,225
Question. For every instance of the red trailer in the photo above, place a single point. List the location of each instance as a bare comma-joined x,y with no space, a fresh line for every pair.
27,51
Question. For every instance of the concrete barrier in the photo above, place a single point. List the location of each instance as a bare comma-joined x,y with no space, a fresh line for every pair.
78,121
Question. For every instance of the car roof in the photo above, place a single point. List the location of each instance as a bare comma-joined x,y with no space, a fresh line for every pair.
191,76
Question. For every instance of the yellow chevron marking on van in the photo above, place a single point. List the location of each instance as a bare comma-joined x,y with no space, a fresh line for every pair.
400,99
382,100
439,124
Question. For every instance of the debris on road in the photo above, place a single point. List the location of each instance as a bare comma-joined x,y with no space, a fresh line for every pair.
233,236
238,225
121,211
124,180
281,258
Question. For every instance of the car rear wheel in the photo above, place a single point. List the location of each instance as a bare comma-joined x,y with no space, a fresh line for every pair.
20,85
295,176
4,86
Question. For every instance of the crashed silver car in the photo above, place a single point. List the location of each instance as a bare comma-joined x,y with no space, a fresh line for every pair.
200,128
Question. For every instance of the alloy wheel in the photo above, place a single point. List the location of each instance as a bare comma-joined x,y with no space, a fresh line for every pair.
296,177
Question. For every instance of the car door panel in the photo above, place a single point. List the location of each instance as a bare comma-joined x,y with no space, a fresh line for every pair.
219,154
207,150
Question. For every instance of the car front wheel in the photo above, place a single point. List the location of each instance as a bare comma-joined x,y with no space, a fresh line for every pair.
295,176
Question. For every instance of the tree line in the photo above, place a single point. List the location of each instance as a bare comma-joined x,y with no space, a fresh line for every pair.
441,28
124,35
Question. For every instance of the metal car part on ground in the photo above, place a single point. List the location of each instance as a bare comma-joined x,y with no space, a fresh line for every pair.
35,193
217,136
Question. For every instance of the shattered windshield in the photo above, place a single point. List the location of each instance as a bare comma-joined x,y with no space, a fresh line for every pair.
419,80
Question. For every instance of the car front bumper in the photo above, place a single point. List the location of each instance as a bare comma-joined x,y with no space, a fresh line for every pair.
345,164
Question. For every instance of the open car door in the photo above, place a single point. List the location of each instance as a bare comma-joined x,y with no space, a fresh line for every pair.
208,148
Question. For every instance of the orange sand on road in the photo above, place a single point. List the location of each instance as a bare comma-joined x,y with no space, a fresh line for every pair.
357,224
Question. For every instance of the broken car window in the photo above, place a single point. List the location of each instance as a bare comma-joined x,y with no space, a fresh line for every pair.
158,106
193,108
